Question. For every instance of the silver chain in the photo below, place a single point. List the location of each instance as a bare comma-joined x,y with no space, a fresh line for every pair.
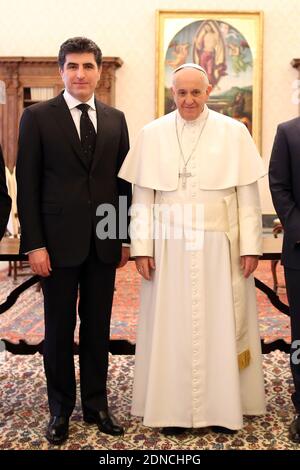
196,144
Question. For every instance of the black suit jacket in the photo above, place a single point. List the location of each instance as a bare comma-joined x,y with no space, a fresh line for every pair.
5,201
58,194
284,178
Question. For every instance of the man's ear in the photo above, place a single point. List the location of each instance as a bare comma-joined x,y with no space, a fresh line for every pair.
209,89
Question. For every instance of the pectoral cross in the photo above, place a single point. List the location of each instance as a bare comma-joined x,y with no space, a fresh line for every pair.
184,175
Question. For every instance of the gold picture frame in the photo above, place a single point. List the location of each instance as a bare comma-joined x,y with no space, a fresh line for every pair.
229,45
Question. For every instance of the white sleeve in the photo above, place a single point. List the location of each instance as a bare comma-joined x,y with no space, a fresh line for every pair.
250,219
141,225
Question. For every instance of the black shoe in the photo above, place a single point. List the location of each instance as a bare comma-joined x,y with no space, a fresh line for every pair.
106,423
58,430
222,430
172,431
294,430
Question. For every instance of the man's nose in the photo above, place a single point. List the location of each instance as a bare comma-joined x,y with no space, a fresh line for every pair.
80,72
189,99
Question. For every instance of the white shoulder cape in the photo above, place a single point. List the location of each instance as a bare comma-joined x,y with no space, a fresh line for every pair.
227,153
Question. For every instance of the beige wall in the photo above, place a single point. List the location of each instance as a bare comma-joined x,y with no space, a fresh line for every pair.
126,28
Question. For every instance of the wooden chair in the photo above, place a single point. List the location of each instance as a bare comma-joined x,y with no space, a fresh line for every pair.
277,229
13,226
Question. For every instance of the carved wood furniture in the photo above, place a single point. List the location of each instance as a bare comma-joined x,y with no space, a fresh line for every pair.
30,79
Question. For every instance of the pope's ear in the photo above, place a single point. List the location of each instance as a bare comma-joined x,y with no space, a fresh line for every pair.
209,89
172,91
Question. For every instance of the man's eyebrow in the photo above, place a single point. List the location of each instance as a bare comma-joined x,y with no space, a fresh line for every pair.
85,63
184,89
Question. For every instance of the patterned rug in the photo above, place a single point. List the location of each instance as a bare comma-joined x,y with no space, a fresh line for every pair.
25,319
24,412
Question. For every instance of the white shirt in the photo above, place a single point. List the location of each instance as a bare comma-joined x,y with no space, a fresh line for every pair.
76,113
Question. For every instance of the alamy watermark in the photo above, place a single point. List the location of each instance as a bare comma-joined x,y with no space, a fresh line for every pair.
157,221
295,355
2,351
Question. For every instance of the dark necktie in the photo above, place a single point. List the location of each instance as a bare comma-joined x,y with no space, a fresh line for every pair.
87,133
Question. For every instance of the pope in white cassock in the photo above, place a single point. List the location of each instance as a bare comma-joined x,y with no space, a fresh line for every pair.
198,356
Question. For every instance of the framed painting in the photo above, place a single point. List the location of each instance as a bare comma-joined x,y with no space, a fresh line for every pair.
229,47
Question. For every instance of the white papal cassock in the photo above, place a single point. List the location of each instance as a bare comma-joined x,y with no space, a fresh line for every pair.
198,357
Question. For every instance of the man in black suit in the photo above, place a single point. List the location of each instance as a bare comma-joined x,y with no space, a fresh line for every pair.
284,176
70,151
5,201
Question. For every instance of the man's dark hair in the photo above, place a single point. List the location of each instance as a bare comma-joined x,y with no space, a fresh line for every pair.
78,45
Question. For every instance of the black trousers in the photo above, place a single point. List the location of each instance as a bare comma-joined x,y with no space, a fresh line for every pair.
95,281
292,278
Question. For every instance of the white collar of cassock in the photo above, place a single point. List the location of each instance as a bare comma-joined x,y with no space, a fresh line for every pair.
182,123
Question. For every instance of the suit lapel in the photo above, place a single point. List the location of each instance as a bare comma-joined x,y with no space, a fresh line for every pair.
102,131
65,121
